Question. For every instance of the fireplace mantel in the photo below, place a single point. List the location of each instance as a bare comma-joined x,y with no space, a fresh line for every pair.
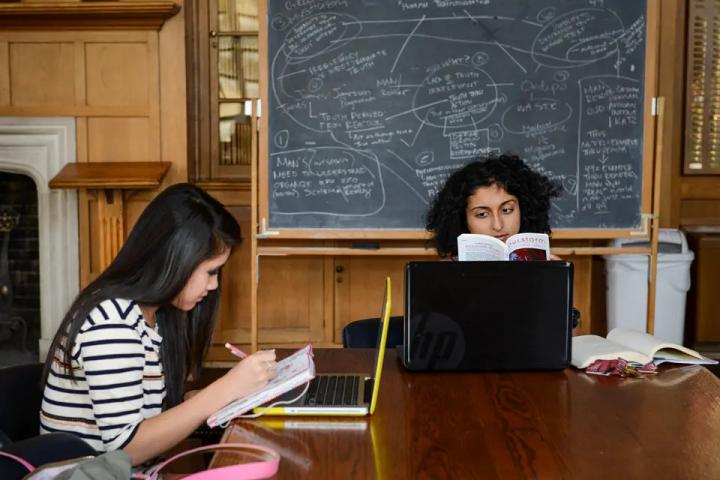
40,147
92,15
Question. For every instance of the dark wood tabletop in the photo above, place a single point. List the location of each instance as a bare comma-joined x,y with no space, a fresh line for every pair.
515,425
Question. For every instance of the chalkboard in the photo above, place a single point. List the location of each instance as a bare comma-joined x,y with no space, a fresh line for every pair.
372,104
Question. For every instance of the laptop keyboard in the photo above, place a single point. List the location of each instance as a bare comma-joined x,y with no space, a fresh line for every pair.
333,390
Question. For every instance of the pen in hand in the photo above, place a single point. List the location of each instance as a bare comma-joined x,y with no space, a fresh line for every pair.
236,351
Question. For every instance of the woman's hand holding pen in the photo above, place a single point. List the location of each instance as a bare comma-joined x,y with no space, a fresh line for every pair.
250,374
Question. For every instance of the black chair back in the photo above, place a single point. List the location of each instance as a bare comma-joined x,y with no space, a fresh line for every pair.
20,398
364,333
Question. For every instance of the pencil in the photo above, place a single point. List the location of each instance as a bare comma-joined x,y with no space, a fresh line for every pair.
236,351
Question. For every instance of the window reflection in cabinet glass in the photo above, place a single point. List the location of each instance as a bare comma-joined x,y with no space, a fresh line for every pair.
237,15
238,70
235,135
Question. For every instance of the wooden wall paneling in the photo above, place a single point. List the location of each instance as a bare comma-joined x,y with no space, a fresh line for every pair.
582,291
234,317
113,95
359,286
153,89
80,74
93,235
598,299
290,299
119,139
135,203
330,298
671,81
119,74
71,82
171,98
85,236
4,73
42,73
706,298
111,217
192,58
700,188
700,212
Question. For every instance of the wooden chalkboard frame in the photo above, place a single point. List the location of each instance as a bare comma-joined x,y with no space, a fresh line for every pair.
650,151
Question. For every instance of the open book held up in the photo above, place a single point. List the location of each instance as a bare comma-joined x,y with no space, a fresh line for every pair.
292,372
521,246
632,346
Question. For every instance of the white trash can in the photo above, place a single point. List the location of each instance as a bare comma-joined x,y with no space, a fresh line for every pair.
627,280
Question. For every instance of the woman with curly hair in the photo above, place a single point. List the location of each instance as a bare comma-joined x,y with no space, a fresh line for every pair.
499,196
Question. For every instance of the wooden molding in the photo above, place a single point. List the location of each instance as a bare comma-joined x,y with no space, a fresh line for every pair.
240,185
115,15
111,175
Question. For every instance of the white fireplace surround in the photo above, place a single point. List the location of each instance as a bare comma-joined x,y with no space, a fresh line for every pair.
40,147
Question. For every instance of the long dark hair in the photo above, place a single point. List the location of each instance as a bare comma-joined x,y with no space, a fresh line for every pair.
446,218
182,227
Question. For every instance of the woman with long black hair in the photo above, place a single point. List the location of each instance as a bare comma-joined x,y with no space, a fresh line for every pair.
116,369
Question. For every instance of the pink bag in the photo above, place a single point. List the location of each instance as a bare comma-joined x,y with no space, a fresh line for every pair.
262,462
264,465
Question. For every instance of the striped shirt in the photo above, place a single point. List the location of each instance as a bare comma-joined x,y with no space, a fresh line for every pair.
118,379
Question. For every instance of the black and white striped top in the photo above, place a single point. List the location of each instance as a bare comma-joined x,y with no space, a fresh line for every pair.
118,379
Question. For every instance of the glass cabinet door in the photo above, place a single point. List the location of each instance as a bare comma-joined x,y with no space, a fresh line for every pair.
234,80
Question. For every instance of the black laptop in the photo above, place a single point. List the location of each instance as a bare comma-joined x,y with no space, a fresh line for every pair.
487,315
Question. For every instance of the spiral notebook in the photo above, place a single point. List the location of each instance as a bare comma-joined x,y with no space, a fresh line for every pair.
293,371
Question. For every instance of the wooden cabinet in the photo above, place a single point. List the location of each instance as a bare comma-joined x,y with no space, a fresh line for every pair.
291,300
310,298
703,303
223,77
359,286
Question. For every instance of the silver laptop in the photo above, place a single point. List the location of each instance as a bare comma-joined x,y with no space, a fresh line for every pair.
339,394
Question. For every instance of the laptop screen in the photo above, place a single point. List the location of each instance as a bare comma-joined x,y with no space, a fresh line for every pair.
487,315
382,340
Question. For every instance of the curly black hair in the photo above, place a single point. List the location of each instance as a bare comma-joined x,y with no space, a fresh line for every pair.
446,218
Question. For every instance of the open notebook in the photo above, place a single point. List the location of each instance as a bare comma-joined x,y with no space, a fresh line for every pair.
340,393
293,371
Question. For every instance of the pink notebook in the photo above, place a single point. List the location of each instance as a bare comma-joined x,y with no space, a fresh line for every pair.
292,372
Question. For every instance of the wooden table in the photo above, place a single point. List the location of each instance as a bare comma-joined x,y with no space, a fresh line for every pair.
518,425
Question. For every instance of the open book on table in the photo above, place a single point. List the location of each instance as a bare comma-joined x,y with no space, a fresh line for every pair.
633,346
521,246
292,372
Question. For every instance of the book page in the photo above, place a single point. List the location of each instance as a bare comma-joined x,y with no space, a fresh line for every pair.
292,371
479,247
671,355
529,247
657,348
588,348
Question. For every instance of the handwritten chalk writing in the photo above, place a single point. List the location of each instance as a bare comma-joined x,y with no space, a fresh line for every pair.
459,3
380,102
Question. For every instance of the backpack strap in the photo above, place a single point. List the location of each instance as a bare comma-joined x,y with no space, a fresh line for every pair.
243,471
20,460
